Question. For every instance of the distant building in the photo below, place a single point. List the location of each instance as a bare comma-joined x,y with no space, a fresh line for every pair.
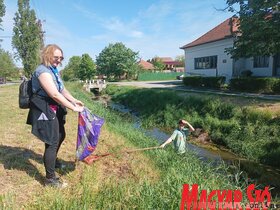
206,55
170,64
146,65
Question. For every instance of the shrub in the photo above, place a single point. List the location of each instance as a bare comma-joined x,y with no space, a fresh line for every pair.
255,84
246,73
246,131
219,109
210,82
253,116
276,87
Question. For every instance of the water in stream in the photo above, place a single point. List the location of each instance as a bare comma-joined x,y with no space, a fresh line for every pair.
257,173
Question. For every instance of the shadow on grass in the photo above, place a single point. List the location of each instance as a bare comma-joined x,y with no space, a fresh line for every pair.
19,158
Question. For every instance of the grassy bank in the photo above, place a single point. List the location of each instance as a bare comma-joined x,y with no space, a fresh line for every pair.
144,180
243,129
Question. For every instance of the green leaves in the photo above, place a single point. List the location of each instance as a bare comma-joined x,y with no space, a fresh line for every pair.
87,68
158,64
117,61
259,26
82,68
2,12
27,38
7,66
70,72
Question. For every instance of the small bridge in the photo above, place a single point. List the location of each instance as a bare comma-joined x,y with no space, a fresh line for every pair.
97,85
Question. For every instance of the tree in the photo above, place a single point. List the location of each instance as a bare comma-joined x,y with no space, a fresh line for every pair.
70,72
27,38
158,64
181,59
117,61
2,13
7,65
259,28
87,68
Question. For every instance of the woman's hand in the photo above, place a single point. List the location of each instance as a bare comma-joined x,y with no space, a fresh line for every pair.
189,125
78,102
78,108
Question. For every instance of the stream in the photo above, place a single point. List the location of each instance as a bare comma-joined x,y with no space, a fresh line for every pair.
253,172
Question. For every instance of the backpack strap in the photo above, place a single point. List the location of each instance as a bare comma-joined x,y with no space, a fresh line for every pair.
40,88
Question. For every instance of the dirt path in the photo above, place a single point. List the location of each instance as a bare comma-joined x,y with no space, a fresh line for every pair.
151,84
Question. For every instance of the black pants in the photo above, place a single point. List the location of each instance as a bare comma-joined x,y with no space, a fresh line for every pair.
51,151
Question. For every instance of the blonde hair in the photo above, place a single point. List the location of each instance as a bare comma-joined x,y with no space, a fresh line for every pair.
47,54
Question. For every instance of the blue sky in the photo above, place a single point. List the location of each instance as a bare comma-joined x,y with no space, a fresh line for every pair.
150,27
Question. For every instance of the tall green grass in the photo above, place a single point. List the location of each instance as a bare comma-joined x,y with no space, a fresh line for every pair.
244,130
140,191
137,191
166,192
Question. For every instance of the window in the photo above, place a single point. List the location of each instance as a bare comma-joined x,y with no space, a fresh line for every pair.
261,61
209,62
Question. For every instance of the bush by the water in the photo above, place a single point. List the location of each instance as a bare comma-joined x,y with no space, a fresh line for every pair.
245,131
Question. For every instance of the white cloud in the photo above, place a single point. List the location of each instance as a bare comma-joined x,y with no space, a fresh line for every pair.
136,34
113,25
85,12
160,29
157,11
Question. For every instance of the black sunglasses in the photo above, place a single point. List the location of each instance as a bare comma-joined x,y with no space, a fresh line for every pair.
58,58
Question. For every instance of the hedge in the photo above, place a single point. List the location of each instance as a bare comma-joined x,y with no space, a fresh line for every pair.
209,82
256,84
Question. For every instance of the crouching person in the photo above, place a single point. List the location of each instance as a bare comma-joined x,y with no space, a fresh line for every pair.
179,136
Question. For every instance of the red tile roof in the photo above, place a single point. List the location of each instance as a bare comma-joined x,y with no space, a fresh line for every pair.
146,65
165,59
168,61
172,63
224,30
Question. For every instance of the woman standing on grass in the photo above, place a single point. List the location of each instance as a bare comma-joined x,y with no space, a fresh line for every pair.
48,109
179,136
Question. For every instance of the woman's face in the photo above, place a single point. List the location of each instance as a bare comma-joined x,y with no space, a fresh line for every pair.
181,126
57,58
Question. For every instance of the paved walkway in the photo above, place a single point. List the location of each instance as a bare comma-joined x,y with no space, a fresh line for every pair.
178,85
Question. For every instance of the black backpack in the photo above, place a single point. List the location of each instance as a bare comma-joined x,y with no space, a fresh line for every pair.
25,93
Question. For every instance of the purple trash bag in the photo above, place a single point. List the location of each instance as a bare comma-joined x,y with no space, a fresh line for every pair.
89,127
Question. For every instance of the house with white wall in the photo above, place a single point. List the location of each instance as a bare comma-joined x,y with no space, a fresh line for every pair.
206,55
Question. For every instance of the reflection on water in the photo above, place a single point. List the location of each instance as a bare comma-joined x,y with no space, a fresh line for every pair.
256,173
